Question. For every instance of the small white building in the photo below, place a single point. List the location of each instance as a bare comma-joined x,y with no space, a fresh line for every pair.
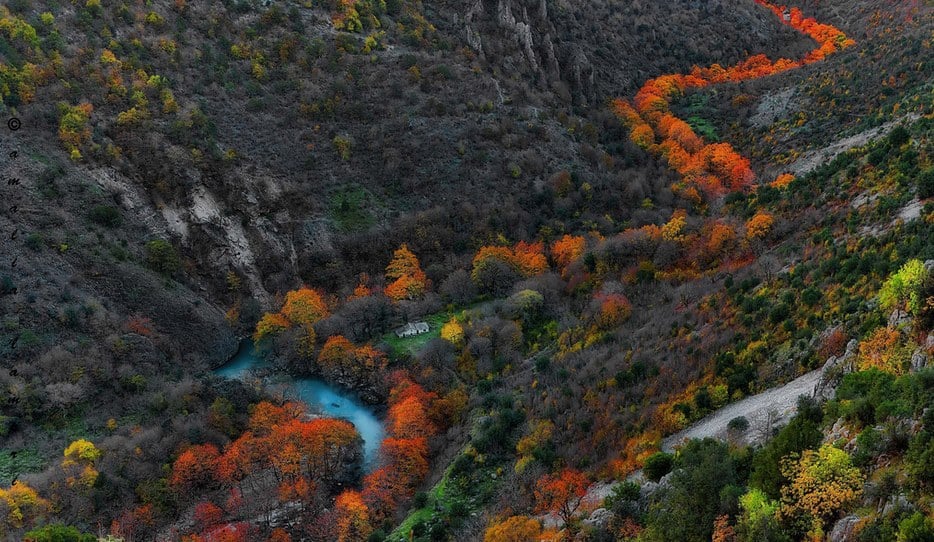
412,329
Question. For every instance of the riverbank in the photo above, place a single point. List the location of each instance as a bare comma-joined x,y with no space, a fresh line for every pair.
320,396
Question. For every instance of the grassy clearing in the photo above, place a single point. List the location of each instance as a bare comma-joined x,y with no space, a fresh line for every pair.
696,109
13,463
437,498
703,128
449,502
351,208
412,345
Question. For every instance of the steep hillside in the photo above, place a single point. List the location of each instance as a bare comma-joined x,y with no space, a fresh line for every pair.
589,204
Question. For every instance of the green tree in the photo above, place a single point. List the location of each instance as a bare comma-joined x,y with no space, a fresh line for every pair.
800,434
657,465
58,533
162,256
703,487
915,528
758,520
903,289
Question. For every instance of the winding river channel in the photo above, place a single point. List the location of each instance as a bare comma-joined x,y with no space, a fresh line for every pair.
320,397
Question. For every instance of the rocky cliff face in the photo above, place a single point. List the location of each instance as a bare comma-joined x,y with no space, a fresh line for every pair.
520,37
582,53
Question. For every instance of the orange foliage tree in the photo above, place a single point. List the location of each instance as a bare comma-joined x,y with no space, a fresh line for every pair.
524,259
404,453
302,307
194,468
304,457
615,309
883,350
721,239
271,323
567,250
513,529
561,492
759,225
405,276
22,505
208,514
340,359
353,523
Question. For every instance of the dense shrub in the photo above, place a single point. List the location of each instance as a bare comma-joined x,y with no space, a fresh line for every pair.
657,465
162,256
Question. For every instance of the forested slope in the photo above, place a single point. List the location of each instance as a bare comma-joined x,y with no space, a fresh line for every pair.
590,204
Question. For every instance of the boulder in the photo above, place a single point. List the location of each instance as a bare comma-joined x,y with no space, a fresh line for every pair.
598,519
919,360
843,529
896,504
834,369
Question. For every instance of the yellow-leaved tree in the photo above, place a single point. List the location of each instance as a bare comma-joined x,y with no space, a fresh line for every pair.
22,505
821,484
540,432
453,332
79,464
302,307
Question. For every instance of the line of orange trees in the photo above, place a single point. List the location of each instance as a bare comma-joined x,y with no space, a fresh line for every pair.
712,169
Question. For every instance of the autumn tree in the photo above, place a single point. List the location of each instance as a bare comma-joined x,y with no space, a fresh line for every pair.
409,418
353,524
340,360
721,239
404,453
883,350
74,130
496,268
408,457
722,530
821,484
530,258
22,506
382,491
304,306
513,529
561,492
614,310
79,464
534,443
759,225
453,332
208,514
272,323
782,181
405,276
194,468
567,250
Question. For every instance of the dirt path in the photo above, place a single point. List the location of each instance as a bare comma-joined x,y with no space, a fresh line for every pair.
763,411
